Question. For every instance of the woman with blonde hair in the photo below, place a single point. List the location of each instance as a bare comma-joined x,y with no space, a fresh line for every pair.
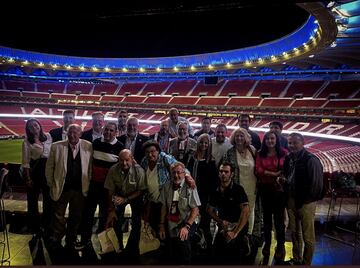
243,156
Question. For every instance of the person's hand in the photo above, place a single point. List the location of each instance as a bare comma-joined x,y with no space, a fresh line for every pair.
162,232
29,183
225,225
190,181
230,236
183,234
111,218
119,200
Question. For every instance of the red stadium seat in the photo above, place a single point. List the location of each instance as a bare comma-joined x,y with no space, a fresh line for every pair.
305,88
273,87
239,87
181,87
155,88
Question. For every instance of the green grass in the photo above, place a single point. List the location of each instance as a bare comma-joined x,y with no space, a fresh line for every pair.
10,151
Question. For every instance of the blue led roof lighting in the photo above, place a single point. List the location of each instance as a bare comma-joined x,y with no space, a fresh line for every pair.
277,47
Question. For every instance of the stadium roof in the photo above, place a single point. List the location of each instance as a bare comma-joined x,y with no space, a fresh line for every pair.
157,28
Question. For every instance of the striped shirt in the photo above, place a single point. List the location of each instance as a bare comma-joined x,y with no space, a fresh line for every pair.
105,155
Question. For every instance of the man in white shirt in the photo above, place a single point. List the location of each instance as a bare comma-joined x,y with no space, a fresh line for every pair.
220,143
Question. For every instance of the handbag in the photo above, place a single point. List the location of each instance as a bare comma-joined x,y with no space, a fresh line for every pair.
109,241
39,253
148,242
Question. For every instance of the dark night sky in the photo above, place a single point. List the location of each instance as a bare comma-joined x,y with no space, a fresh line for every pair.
126,31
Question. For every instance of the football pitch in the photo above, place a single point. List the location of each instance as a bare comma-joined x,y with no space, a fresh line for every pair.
10,151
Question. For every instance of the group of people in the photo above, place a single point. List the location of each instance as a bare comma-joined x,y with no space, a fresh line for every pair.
177,182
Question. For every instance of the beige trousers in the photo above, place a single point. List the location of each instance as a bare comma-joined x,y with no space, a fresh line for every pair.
301,225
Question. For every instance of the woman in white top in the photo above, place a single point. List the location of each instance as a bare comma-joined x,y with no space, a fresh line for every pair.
35,151
242,156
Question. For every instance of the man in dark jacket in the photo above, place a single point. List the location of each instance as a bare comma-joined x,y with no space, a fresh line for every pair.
133,140
60,133
304,176
96,131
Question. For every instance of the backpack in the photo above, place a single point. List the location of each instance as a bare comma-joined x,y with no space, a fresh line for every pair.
345,181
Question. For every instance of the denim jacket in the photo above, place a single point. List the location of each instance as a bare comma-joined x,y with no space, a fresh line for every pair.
163,166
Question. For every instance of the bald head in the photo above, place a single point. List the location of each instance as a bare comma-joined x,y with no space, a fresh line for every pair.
126,159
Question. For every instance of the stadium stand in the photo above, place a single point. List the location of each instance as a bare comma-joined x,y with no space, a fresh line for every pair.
10,93
273,87
304,88
36,94
109,89
73,88
63,96
134,99
305,103
181,87
155,88
88,98
238,87
131,88
244,102
53,87
343,104
111,99
341,89
19,85
157,100
217,101
276,102
208,90
184,100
